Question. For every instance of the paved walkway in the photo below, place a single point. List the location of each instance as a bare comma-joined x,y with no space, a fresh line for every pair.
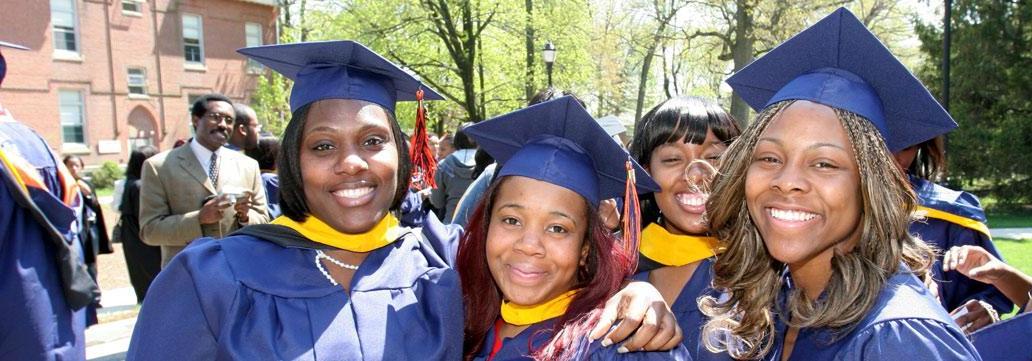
1013,233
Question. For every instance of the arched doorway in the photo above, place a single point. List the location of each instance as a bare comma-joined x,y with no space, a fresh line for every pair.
141,128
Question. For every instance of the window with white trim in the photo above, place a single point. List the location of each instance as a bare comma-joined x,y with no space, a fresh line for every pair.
253,37
193,39
72,117
65,23
137,79
132,6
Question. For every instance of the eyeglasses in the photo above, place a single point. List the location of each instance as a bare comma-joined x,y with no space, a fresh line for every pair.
221,118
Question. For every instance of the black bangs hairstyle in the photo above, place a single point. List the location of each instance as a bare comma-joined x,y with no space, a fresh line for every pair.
292,191
687,118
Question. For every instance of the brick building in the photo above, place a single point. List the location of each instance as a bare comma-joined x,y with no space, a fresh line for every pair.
104,76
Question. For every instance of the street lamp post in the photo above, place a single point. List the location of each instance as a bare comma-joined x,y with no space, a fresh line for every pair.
548,54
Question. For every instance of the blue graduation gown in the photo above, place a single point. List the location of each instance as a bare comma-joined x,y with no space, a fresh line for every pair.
954,288
906,323
686,309
36,322
537,335
271,183
247,297
1009,340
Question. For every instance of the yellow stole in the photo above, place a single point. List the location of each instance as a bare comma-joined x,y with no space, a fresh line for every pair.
953,218
384,233
528,315
675,250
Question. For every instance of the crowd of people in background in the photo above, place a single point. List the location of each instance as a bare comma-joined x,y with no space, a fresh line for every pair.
818,231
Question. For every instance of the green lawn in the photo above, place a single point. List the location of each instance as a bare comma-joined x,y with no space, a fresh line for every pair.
105,192
1017,252
1010,219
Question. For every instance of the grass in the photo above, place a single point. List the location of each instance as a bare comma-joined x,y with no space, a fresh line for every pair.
1017,252
105,192
1017,218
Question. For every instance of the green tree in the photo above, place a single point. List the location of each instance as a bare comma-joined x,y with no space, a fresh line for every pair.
990,94
270,102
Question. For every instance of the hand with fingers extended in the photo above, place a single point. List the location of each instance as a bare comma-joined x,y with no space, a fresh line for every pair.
975,263
980,265
639,312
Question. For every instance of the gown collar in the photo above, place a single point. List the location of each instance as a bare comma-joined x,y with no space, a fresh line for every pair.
385,232
670,249
527,315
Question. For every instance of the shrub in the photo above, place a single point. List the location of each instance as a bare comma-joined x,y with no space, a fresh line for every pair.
106,175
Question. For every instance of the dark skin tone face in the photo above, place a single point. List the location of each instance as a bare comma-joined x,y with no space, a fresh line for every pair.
246,136
213,128
349,163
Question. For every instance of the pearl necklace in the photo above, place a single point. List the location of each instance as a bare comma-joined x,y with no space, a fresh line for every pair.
320,255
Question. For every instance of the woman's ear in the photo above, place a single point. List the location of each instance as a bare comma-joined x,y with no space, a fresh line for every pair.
585,249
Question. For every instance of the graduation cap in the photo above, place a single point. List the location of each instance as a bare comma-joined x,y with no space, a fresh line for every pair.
345,69
838,62
3,62
560,143
340,69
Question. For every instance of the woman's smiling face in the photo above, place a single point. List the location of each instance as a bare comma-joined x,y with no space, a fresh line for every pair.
683,171
803,187
535,239
349,163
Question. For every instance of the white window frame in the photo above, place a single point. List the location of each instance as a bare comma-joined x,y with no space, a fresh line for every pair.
142,77
251,39
200,39
81,109
138,4
66,54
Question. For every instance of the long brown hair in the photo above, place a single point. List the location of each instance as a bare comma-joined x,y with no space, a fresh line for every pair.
742,321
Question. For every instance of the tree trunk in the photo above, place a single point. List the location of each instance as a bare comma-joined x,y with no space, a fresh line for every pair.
742,52
646,63
301,22
529,87
468,65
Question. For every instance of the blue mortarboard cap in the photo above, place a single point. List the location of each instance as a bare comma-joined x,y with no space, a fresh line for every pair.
560,143
3,62
838,62
339,70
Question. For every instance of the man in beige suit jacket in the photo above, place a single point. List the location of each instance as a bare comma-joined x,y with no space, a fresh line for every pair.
185,196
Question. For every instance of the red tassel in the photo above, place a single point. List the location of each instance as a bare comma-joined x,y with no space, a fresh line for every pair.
631,216
424,165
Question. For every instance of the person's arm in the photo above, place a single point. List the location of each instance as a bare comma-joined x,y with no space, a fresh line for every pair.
964,289
980,265
172,324
158,227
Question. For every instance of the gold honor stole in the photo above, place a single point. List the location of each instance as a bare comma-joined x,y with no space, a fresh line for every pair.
528,315
675,250
953,218
384,233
